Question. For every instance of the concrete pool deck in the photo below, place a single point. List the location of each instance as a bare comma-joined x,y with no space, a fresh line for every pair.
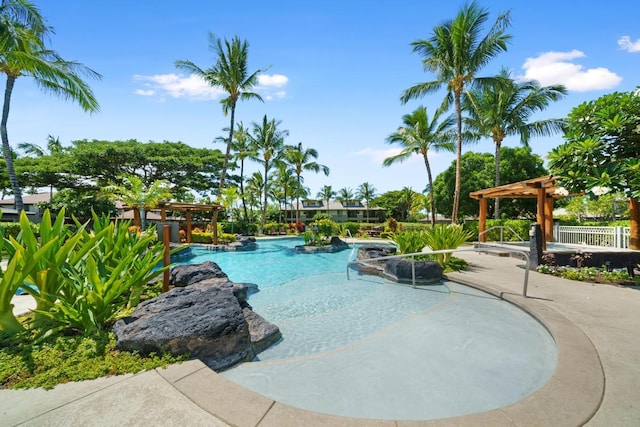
593,325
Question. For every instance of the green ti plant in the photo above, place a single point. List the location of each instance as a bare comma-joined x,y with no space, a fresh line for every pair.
410,241
442,237
109,278
21,263
56,248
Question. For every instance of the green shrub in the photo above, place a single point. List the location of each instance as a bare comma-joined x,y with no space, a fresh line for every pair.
201,237
271,226
353,227
117,265
226,238
443,237
308,237
410,241
327,227
393,225
78,279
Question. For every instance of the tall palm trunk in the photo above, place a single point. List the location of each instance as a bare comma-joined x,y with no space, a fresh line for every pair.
223,173
496,213
6,148
298,201
432,202
244,203
264,204
456,192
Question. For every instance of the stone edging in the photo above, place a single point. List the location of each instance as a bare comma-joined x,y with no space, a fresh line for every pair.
570,398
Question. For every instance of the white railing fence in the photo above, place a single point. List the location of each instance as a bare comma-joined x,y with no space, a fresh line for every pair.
613,237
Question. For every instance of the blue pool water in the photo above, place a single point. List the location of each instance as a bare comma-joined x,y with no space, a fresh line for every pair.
369,348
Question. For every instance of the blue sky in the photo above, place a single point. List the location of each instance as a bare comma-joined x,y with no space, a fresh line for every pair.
334,72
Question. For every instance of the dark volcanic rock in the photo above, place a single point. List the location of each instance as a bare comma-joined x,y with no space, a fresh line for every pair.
397,269
240,290
263,333
375,251
243,244
335,245
401,270
200,319
185,275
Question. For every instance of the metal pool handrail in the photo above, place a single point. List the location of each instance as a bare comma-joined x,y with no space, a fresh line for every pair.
501,227
447,251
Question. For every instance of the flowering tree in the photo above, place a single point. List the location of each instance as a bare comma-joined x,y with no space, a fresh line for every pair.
602,151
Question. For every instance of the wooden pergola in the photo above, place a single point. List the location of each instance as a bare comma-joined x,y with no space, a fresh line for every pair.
543,189
187,208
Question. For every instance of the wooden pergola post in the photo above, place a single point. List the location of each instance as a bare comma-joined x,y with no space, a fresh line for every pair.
540,215
548,216
482,220
188,226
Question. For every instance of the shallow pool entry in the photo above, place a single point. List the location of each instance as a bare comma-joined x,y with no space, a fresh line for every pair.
370,348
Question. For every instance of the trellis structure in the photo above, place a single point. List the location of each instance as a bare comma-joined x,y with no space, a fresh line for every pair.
543,189
188,209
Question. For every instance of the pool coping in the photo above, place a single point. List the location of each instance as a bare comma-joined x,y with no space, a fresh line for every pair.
572,395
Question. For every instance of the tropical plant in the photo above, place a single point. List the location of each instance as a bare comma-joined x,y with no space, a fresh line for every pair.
23,33
350,228
456,52
367,192
410,241
243,150
285,182
62,249
602,152
268,142
230,74
441,237
504,108
118,263
303,160
326,194
20,264
345,194
135,194
418,136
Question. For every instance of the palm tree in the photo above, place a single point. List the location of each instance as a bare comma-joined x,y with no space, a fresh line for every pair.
405,202
418,136
367,192
53,150
504,108
455,53
135,194
23,53
285,180
345,194
230,74
243,150
268,142
255,185
326,194
303,160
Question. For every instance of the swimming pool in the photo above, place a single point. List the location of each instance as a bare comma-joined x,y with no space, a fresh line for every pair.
370,348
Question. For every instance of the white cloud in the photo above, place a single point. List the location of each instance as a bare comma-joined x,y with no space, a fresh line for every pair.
625,43
179,86
559,68
275,80
194,87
